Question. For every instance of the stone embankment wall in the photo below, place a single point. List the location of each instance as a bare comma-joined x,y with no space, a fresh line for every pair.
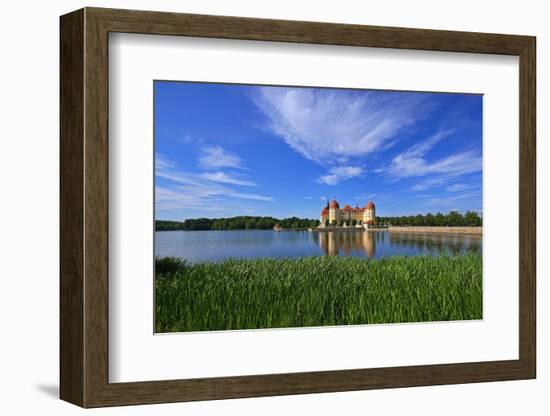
441,230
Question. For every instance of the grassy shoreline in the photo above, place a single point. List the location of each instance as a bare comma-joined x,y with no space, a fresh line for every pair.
315,291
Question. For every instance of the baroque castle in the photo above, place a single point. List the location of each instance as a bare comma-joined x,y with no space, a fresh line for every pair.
347,215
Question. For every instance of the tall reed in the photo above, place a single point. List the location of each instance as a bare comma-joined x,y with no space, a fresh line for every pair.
315,291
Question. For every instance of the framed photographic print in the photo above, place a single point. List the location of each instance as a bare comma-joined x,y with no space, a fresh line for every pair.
255,207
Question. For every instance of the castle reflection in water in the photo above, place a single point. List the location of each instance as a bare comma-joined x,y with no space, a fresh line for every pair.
381,243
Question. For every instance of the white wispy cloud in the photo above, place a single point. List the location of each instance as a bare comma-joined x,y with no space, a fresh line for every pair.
162,164
456,187
210,191
223,177
340,173
308,197
428,183
367,196
330,126
421,148
452,200
412,162
173,199
215,157
378,196
255,197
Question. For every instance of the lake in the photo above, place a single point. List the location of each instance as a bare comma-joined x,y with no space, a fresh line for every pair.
197,246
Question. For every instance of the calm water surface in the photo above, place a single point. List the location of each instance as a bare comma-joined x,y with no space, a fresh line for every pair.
218,245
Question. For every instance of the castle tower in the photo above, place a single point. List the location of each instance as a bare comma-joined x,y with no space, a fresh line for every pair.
334,211
369,215
324,215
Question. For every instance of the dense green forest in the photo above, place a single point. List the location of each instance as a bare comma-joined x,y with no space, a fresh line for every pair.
452,219
235,223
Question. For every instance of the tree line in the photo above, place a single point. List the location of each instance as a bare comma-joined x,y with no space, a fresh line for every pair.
234,223
452,219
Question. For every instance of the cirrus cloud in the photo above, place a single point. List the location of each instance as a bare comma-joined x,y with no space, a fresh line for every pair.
178,191
215,157
340,173
329,126
222,177
412,162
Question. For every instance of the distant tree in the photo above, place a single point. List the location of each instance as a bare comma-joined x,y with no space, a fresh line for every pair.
455,218
354,222
161,225
313,223
429,220
233,223
472,219
265,223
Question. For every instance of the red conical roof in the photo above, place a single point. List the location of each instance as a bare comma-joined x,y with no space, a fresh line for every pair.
334,204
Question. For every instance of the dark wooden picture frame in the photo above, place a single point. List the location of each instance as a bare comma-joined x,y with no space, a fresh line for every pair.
84,207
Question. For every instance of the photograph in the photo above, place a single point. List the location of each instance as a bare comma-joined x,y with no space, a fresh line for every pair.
310,206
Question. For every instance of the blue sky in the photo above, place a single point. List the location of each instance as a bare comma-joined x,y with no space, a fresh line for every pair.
223,150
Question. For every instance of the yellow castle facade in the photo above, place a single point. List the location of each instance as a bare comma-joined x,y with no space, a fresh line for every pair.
336,215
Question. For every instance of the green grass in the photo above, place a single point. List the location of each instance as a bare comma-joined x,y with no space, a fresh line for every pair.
315,291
